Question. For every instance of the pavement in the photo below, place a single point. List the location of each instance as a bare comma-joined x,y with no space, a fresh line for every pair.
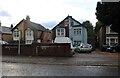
95,58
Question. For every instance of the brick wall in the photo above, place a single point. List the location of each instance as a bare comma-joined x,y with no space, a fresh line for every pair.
42,49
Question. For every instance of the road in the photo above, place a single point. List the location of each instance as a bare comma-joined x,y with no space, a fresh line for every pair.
82,64
18,69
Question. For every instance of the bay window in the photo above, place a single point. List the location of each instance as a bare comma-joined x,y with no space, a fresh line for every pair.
29,36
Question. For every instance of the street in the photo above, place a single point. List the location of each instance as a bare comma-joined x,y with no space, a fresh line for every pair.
82,64
16,69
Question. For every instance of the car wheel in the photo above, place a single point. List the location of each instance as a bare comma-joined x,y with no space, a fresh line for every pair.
77,50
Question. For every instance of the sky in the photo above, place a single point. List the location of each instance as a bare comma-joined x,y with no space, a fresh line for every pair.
47,12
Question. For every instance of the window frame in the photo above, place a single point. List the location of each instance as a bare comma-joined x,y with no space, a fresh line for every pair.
29,41
28,32
61,32
29,36
16,33
77,31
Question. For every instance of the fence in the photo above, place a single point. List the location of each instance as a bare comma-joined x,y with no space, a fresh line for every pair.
51,49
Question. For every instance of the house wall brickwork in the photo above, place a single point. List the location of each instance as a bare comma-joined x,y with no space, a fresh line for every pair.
7,37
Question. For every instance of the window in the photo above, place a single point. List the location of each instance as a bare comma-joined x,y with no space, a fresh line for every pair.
116,40
77,31
77,43
16,33
29,32
60,32
66,22
72,23
112,41
111,31
29,36
28,41
107,41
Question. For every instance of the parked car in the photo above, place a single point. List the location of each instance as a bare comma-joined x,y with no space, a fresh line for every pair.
3,42
105,48
84,47
114,48
74,47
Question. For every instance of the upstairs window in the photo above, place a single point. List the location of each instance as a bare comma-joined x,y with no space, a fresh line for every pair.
77,31
111,31
29,32
16,34
66,22
60,32
29,36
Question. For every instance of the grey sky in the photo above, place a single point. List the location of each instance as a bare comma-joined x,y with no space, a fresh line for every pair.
47,12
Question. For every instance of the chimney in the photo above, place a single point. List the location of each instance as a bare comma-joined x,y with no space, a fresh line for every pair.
11,26
27,18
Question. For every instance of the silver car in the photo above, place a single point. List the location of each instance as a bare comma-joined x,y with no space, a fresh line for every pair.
84,47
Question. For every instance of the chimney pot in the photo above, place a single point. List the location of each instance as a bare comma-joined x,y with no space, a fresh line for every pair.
27,18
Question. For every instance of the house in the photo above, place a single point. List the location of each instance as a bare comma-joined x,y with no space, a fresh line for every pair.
5,33
30,32
105,35
111,36
71,28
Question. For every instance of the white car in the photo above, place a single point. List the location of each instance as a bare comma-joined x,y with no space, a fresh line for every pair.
3,42
84,47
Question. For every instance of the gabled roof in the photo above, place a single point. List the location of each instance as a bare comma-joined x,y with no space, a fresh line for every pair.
5,30
17,24
32,25
72,19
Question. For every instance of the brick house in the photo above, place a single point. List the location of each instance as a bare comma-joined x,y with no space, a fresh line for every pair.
71,28
30,32
5,33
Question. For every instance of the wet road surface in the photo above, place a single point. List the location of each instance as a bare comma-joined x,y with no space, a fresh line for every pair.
82,64
19,69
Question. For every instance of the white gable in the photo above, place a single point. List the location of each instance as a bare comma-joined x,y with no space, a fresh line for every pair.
75,23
